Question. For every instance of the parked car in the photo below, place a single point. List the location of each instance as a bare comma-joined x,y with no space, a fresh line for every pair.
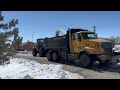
19,49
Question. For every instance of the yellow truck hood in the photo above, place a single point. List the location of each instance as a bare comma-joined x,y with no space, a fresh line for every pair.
99,40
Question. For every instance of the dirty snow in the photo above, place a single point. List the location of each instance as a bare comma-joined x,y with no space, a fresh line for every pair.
19,68
24,54
23,51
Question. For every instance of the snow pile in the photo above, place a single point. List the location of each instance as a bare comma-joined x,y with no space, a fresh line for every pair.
116,49
25,52
19,68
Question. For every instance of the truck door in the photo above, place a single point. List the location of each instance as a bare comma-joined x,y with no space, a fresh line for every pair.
75,42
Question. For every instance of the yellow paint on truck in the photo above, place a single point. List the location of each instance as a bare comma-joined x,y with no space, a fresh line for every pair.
92,46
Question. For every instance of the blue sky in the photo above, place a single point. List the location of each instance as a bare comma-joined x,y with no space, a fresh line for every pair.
45,23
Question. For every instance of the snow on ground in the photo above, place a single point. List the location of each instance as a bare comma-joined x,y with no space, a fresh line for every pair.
19,68
116,49
24,54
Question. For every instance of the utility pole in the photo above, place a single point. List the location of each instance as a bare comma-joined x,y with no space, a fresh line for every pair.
94,28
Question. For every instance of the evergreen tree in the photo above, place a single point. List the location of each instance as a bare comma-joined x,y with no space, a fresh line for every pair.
8,38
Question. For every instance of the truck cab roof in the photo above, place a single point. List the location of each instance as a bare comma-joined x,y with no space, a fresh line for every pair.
79,30
85,32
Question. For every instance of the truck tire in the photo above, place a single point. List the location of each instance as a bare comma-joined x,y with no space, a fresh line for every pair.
49,56
34,53
85,60
103,62
41,53
54,56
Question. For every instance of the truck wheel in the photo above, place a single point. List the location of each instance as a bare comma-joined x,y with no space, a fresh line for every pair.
34,53
49,56
85,60
41,53
55,56
103,62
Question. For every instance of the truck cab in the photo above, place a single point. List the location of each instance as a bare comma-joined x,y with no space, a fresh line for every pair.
38,48
86,43
79,40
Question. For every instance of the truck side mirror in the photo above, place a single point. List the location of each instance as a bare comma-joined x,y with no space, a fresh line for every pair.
73,36
76,37
79,37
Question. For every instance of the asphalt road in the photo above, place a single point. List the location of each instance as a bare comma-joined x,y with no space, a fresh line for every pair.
110,71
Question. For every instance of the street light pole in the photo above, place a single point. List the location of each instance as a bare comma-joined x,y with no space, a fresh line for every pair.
94,28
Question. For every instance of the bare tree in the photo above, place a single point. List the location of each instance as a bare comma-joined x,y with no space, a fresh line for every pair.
116,39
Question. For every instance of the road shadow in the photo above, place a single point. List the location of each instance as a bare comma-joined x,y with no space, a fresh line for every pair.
96,66
106,68
110,67
72,63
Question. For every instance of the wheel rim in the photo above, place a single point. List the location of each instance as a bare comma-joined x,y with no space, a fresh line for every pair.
84,60
48,56
54,56
40,53
33,52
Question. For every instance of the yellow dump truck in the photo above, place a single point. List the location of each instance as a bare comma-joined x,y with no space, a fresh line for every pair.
76,44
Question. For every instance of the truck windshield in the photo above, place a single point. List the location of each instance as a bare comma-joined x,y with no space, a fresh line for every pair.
89,36
40,41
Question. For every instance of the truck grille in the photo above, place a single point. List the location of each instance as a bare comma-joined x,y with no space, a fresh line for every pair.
108,50
107,47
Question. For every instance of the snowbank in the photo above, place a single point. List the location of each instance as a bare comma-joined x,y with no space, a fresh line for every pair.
19,68
116,49
24,52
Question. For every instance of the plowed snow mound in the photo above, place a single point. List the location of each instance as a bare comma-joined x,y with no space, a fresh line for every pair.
19,68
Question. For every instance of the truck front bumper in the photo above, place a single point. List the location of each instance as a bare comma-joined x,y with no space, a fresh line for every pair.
105,57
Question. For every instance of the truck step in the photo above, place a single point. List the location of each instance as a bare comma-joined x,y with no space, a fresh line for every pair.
72,57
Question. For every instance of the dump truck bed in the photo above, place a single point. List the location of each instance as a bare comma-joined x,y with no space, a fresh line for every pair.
56,42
